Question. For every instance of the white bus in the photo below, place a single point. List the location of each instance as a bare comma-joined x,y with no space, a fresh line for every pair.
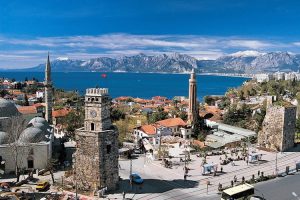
240,192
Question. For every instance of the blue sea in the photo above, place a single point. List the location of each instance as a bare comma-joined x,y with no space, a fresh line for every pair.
143,85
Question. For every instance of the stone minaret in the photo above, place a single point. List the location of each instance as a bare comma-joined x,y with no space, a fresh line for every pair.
48,92
192,97
96,157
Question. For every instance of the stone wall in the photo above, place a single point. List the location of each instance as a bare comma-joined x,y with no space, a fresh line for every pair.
97,160
289,128
278,128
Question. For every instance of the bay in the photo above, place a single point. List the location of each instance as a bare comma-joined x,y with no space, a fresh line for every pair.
142,85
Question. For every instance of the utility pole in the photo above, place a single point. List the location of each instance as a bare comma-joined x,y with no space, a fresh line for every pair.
276,168
130,173
76,196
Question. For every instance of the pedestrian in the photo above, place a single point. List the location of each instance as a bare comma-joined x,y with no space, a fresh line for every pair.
258,173
232,163
124,195
185,177
235,178
221,169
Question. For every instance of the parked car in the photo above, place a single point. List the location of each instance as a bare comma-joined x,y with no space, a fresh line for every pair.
137,151
42,185
136,178
4,189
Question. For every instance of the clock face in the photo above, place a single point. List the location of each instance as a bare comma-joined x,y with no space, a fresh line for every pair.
93,113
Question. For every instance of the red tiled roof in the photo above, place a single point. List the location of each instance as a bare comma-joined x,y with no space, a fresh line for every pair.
37,105
149,129
139,100
217,113
159,98
172,122
199,143
27,109
60,113
124,98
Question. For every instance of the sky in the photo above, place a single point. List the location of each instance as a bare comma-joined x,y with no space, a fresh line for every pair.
83,29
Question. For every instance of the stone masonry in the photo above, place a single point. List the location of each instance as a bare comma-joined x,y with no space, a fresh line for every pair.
96,157
278,131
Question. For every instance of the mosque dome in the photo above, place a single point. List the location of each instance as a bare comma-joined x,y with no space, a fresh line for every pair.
8,109
32,135
41,126
38,120
4,137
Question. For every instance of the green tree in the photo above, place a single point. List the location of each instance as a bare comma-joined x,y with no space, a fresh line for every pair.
209,100
160,114
72,121
3,93
116,114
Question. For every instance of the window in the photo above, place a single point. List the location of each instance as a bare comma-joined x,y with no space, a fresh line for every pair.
108,148
92,126
30,164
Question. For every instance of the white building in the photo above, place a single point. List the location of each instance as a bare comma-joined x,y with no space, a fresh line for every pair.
151,132
33,145
39,94
177,126
279,76
263,77
226,135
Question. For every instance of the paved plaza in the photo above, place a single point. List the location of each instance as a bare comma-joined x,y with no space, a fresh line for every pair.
168,183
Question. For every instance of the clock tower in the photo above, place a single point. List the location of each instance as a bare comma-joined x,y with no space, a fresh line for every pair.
97,106
96,158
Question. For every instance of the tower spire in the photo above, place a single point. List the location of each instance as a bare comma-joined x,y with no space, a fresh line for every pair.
48,71
48,91
192,97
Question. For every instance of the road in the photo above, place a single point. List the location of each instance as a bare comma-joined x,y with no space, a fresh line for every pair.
280,188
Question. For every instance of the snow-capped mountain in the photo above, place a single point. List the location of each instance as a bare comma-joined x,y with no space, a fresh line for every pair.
239,62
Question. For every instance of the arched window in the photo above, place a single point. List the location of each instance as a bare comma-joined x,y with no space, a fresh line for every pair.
92,99
92,126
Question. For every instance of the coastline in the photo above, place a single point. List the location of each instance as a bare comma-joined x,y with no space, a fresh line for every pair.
117,72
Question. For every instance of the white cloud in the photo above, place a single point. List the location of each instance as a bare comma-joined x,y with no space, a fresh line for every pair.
251,44
296,43
21,51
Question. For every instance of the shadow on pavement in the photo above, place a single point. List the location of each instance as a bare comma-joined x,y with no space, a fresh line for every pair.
155,186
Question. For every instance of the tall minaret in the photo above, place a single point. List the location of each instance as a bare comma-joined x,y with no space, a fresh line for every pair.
48,91
192,97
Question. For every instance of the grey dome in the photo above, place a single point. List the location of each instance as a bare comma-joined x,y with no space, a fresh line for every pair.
8,109
40,123
32,135
38,120
4,137
41,126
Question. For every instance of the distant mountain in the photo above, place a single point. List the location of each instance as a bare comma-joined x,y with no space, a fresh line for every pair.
240,62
